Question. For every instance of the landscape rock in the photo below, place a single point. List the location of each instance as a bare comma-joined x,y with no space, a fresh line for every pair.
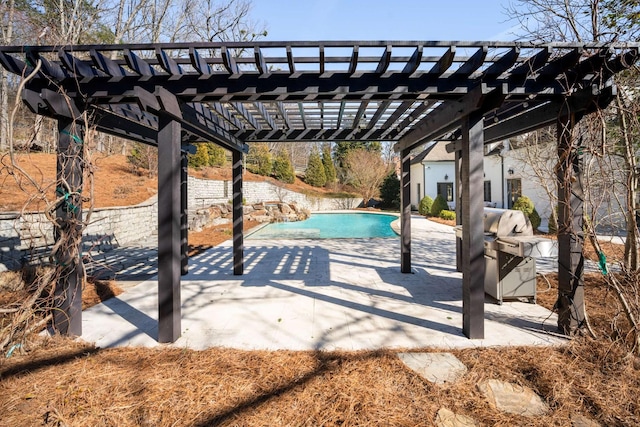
208,217
513,398
447,418
438,368
579,420
284,208
221,213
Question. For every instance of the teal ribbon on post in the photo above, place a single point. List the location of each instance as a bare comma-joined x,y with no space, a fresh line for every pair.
70,206
602,263
26,56
75,138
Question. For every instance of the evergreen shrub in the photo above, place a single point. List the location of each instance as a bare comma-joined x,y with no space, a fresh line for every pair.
439,205
425,206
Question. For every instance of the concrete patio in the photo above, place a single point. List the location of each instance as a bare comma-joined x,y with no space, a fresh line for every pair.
321,295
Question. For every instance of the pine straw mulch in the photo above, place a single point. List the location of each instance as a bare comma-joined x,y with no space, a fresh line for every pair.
67,383
64,382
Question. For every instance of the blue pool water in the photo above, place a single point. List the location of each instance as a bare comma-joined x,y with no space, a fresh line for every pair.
330,226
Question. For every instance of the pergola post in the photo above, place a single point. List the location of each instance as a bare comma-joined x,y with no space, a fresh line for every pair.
571,310
458,199
184,214
238,238
169,233
67,311
473,264
405,220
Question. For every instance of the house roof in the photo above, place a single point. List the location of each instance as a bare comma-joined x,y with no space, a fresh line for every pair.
435,152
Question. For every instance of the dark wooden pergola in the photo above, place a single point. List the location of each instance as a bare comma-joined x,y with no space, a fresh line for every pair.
410,92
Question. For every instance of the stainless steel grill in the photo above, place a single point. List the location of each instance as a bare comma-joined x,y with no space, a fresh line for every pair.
510,249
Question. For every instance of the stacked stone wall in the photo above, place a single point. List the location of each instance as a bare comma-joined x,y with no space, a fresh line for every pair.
29,236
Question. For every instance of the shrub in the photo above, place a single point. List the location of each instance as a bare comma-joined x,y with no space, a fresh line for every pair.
390,191
553,227
439,205
535,219
525,205
425,206
282,168
315,175
200,158
448,215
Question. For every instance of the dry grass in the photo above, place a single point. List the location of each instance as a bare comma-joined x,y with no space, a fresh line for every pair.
115,184
78,385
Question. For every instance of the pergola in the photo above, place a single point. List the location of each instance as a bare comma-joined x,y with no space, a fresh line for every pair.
410,92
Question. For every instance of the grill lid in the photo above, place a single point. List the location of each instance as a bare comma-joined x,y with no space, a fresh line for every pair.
506,222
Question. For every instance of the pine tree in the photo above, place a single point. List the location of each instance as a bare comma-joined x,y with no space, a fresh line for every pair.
217,155
329,168
259,159
283,169
315,174
200,158
390,191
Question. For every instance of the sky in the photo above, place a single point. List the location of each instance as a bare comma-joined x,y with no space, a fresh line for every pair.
314,20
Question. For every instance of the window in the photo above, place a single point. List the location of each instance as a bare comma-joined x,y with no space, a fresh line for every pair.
487,191
514,191
445,189
419,196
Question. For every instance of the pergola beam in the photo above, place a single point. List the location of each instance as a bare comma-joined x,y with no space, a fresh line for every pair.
444,62
546,114
193,121
447,116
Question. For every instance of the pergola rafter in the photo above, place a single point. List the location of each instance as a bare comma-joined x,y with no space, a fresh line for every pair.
407,92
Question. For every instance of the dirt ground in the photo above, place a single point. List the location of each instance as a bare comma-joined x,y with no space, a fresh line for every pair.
60,382
115,184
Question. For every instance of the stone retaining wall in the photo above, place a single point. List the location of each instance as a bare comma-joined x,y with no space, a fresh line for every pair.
30,235
203,193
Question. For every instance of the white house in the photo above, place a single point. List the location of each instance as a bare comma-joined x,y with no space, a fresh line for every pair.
432,173
508,173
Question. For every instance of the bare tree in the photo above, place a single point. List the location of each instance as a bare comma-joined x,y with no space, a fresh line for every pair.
612,132
7,12
211,20
365,171
609,138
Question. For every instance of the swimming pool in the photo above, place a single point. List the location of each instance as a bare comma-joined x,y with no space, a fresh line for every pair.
330,226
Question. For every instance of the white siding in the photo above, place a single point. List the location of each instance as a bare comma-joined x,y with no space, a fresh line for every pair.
417,177
493,173
434,172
